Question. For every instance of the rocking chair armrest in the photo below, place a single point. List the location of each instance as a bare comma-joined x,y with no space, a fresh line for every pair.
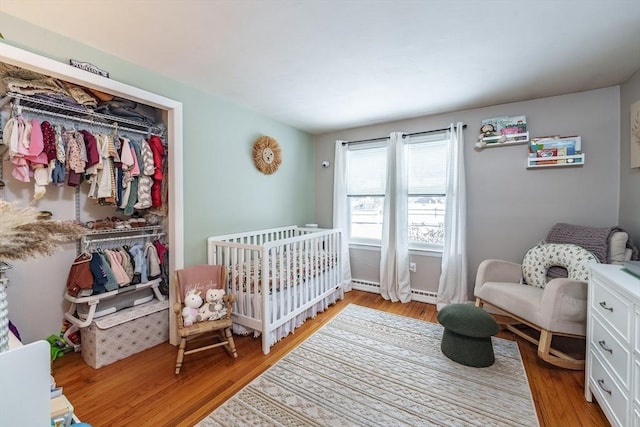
177,308
563,299
228,301
496,270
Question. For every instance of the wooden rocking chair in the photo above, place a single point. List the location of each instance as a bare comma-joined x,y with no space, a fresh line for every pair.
200,278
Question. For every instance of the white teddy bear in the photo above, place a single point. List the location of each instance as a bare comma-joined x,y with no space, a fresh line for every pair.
213,308
192,301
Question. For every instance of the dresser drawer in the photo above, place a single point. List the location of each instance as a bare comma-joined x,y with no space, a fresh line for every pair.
636,382
612,352
614,310
612,399
637,339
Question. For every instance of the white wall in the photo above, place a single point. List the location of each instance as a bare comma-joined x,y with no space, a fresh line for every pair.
510,208
629,178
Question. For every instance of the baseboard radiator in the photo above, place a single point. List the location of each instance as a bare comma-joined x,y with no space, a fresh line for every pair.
416,294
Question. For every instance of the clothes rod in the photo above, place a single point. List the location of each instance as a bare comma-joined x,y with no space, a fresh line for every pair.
81,120
404,135
89,242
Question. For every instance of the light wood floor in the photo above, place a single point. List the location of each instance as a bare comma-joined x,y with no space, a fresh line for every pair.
142,390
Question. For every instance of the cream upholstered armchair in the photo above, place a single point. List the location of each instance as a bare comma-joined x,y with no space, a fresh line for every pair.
558,308
536,295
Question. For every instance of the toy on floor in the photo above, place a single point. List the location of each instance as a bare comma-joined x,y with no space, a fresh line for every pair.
59,346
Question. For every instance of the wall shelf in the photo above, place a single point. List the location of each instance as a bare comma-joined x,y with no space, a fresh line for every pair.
555,151
556,161
503,140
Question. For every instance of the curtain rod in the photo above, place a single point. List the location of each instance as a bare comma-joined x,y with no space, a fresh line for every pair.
403,135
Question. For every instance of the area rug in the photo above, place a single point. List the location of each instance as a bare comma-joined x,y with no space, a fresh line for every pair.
371,368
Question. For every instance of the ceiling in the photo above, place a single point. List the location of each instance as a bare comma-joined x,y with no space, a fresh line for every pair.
323,65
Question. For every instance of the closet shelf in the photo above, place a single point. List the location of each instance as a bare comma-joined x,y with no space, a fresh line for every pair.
142,231
76,113
99,236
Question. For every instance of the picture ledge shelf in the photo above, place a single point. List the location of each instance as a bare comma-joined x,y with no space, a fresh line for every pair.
495,141
574,160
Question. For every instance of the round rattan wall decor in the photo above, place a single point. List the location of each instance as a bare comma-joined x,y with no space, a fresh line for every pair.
267,155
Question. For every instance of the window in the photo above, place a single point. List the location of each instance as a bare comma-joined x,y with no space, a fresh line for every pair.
366,180
427,164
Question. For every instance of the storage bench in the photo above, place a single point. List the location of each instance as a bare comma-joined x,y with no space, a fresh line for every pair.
119,335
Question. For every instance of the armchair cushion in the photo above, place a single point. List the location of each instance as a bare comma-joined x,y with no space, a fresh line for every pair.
618,248
541,257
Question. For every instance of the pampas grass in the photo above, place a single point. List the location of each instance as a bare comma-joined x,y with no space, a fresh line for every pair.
24,235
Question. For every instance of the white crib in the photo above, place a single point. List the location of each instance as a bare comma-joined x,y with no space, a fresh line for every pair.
299,267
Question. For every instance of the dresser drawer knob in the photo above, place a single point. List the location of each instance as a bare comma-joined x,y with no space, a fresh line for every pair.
604,346
603,304
601,384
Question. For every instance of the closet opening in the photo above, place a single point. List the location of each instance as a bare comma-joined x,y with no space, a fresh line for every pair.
86,148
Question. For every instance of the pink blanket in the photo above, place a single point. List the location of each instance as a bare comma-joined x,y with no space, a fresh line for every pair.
200,277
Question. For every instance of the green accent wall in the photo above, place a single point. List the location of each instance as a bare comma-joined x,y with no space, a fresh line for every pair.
223,191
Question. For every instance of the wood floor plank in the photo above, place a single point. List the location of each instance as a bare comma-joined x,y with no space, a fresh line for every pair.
142,390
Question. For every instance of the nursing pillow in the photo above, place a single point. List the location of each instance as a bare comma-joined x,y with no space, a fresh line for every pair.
541,257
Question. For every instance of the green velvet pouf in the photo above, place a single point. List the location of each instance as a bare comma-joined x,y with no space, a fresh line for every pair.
467,335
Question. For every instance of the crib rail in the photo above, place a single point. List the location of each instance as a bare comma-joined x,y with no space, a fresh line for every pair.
278,274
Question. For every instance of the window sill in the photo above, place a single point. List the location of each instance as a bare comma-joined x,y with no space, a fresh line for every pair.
412,251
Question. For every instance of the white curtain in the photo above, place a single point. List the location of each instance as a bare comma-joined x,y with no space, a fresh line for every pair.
452,287
394,254
341,209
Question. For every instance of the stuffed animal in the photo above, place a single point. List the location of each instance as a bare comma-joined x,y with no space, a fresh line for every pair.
488,130
192,301
213,308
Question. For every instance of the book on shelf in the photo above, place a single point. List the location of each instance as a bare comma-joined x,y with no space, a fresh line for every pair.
565,146
561,152
544,153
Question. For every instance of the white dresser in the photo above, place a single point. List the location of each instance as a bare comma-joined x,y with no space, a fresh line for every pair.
612,373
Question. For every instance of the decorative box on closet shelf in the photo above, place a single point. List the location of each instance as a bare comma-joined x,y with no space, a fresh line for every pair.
116,336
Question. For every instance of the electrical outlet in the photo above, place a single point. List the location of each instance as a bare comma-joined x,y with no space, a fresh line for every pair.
412,267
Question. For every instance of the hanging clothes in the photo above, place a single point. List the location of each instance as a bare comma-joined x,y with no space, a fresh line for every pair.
76,156
116,266
155,143
135,173
140,264
145,180
153,262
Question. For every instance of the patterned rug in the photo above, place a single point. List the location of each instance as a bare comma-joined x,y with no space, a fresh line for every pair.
370,368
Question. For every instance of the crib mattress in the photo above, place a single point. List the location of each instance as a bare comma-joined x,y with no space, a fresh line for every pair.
283,270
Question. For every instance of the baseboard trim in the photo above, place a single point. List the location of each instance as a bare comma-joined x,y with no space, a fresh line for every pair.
373,287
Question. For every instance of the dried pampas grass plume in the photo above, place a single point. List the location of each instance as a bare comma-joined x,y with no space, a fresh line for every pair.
23,235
